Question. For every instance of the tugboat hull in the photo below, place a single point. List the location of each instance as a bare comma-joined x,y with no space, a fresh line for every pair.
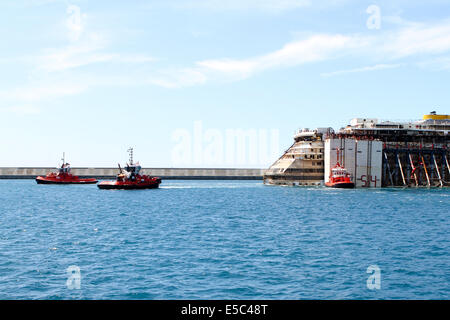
343,185
45,180
128,185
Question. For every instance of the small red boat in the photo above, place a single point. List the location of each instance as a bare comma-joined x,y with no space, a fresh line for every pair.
130,178
339,177
63,176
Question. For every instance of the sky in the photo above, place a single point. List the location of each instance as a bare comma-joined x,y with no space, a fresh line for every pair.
190,83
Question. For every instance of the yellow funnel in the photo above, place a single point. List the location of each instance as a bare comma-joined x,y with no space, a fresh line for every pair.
436,117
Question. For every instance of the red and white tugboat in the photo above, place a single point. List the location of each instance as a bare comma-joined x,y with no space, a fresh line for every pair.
130,178
339,177
63,176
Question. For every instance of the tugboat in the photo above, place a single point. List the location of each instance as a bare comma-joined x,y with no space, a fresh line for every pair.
130,178
339,177
63,176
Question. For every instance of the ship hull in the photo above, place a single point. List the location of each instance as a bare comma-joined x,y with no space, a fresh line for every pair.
292,181
109,185
342,185
44,180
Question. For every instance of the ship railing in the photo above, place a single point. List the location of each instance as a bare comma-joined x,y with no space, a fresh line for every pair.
400,121
303,152
413,145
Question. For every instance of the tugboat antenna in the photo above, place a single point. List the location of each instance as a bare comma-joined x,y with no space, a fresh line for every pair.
130,151
337,155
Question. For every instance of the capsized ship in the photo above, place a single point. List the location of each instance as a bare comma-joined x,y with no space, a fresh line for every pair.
131,178
376,153
303,163
63,176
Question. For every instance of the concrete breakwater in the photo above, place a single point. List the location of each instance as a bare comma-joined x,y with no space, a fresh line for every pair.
164,173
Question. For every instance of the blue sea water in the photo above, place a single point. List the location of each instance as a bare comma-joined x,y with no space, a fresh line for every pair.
222,240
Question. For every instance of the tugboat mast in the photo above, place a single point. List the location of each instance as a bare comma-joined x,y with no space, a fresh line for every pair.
337,156
130,151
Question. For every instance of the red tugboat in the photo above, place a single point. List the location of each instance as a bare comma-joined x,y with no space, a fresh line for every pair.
339,177
63,176
130,178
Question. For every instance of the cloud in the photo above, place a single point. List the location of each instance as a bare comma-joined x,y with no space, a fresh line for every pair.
235,5
363,69
39,92
399,21
85,47
313,49
24,100
55,77
73,55
133,58
436,64
412,40
82,54
52,70
21,110
415,39
176,78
